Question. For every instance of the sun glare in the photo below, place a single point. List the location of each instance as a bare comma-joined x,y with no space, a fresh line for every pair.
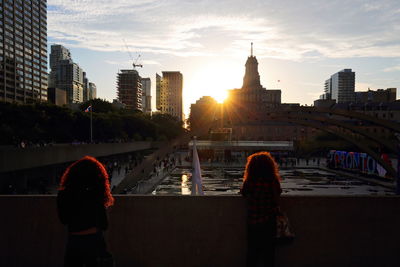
214,79
220,96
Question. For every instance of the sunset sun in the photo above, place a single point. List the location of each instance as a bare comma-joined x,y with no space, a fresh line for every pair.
214,79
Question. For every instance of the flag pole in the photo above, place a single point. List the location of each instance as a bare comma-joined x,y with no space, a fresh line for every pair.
91,125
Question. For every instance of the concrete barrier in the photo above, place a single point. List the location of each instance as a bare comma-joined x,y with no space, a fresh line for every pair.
13,159
208,231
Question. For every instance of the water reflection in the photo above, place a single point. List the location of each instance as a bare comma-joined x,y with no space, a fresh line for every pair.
298,181
185,190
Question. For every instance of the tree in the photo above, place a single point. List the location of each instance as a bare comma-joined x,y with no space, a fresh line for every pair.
43,122
98,105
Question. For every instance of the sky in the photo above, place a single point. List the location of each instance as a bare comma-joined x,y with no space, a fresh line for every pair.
299,43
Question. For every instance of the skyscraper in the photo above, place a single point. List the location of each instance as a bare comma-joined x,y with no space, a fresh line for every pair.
327,90
169,93
85,87
146,95
67,75
57,53
130,89
92,90
23,51
158,91
343,85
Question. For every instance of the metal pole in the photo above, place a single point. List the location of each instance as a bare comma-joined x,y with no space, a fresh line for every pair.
91,125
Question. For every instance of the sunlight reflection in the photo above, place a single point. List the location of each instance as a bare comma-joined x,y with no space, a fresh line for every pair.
184,185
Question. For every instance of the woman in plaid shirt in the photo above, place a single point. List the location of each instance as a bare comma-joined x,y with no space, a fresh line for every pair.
261,189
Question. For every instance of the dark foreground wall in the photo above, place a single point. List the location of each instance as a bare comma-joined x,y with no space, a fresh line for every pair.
209,231
12,159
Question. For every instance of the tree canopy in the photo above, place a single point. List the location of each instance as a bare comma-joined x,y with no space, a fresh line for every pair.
44,122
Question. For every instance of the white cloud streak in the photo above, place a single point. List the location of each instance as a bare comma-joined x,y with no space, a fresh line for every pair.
391,69
289,29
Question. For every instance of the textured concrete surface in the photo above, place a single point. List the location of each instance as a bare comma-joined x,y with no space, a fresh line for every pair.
209,231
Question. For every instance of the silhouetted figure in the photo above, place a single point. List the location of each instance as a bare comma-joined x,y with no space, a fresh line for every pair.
83,197
261,189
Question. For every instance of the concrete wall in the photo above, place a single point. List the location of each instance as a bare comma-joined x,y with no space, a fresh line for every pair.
18,159
208,231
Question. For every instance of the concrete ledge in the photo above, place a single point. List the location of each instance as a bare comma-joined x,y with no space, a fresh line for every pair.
13,159
209,231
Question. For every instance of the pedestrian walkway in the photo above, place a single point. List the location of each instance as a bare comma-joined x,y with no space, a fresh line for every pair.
118,176
160,171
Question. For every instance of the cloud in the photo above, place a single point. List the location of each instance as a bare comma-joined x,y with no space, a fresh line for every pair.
393,68
372,6
114,62
290,29
150,62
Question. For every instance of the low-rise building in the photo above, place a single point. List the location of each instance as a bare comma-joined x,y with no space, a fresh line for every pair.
380,96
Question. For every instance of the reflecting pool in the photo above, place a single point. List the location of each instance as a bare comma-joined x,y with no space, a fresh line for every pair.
296,181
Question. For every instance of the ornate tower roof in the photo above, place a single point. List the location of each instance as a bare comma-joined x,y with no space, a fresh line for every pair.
251,79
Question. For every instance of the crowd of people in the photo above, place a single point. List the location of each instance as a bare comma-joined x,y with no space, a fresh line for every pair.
41,143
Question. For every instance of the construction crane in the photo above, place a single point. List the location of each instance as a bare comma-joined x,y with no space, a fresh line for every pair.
134,62
137,65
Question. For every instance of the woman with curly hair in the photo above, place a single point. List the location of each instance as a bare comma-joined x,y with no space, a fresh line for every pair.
83,196
261,189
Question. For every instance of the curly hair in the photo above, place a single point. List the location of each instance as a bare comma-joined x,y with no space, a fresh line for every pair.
261,166
87,173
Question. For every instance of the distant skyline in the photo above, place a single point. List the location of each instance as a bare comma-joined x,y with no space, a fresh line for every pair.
300,43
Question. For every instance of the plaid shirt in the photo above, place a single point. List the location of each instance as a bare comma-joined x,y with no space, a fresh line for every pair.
262,200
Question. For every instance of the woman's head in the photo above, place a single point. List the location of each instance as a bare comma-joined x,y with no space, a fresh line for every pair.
87,174
261,166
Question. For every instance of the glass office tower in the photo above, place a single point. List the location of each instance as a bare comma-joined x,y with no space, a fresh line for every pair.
23,51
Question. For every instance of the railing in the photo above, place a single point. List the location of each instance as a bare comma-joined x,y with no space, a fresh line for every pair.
12,159
208,231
